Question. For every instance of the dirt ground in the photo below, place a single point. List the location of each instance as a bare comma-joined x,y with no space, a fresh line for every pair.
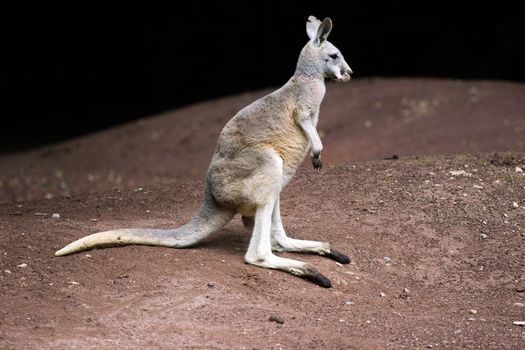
437,241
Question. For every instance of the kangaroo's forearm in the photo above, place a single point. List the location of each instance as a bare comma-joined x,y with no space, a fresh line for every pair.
316,147
313,137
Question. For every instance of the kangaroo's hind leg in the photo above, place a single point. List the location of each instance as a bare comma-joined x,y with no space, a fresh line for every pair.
281,242
260,248
260,253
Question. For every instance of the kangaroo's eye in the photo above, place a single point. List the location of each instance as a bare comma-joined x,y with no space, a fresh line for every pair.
334,56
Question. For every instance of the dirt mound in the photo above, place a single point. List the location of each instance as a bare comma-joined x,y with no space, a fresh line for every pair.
363,120
438,261
437,242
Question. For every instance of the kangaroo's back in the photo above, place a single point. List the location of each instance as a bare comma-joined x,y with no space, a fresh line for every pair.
267,122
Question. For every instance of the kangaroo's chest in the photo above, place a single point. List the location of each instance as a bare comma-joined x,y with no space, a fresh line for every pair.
291,144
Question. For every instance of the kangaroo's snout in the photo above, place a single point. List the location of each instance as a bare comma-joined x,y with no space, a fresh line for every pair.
346,73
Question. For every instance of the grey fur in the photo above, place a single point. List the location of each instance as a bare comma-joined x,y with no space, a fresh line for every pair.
257,154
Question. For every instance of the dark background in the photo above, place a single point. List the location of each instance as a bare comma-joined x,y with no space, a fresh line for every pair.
71,68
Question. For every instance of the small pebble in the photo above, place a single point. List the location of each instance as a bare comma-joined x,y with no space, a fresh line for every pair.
519,304
340,281
405,294
7,271
386,259
519,323
349,302
382,295
22,265
473,312
518,169
515,205
459,173
484,236
55,216
276,319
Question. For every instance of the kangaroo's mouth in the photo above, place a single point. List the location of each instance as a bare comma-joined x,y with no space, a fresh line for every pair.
343,78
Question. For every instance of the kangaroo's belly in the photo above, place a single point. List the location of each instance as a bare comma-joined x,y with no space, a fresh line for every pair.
291,147
246,179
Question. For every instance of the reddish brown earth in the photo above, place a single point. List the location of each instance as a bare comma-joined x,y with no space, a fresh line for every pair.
447,251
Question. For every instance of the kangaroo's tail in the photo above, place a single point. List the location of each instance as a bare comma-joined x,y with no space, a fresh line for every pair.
208,219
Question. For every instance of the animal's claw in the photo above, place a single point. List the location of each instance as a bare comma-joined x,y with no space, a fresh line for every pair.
316,162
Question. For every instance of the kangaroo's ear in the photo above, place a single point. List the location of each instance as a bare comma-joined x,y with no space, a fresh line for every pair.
311,27
323,31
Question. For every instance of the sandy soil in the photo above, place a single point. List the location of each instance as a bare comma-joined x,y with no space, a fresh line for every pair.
438,257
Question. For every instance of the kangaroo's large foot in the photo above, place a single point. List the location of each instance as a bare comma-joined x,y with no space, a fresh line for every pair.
284,243
295,267
312,275
338,256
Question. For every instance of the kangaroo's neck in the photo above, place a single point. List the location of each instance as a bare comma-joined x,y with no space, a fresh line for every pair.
308,65
309,91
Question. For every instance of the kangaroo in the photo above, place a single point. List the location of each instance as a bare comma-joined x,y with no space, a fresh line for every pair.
257,154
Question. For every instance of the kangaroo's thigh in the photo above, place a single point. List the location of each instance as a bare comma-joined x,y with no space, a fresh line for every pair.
247,180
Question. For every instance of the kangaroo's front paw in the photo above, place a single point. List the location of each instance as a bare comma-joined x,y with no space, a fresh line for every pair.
316,161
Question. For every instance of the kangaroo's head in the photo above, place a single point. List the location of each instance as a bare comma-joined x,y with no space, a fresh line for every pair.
320,58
